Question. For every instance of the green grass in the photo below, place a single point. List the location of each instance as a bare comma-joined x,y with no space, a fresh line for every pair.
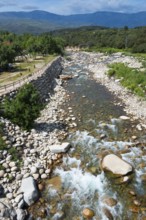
2,142
132,79
24,68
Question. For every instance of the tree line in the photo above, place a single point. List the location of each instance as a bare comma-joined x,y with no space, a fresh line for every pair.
13,46
133,39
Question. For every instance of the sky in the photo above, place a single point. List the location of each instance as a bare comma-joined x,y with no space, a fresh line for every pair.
67,7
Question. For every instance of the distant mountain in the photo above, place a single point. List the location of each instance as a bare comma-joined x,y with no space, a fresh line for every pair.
42,21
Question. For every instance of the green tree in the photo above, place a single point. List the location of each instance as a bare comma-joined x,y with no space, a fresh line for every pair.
24,108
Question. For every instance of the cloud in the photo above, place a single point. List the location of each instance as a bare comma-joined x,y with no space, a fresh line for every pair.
87,6
29,7
66,7
6,5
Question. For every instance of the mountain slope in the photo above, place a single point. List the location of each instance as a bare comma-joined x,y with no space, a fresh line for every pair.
41,21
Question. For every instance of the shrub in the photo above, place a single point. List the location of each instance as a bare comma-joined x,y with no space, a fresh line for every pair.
131,78
24,108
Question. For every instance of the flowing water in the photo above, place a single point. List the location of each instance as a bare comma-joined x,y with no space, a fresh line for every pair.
81,183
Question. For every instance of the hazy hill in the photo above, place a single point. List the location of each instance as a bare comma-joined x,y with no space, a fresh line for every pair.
42,21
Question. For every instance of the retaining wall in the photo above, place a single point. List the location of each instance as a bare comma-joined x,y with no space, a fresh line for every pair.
43,80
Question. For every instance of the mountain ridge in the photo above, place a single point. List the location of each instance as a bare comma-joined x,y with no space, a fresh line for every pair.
46,21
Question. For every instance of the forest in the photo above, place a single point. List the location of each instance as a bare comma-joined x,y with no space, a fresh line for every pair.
89,38
133,40
13,46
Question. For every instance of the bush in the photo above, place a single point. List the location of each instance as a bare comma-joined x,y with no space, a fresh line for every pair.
131,78
24,108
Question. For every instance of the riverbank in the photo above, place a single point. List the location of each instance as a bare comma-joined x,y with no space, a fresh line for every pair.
31,156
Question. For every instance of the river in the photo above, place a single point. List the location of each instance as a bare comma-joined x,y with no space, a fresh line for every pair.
95,130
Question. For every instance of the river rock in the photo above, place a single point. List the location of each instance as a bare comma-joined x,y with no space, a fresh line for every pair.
65,77
108,214
88,213
123,117
116,165
21,214
29,188
2,173
60,148
110,201
12,164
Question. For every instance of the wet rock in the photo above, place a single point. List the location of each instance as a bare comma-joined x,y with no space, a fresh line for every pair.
55,182
65,77
134,209
123,117
102,136
108,214
60,148
143,177
132,193
136,202
88,213
125,179
139,127
134,137
40,187
110,201
59,215
28,187
116,165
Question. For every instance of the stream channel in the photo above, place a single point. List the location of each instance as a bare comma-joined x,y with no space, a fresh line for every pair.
81,183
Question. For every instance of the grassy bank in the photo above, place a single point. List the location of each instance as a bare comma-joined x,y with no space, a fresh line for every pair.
132,79
24,67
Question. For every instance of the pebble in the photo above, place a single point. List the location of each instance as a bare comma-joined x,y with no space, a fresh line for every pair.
2,173
36,176
18,198
19,176
9,195
33,170
43,176
12,164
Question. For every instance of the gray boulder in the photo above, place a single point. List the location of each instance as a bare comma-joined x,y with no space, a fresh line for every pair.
29,188
60,148
21,214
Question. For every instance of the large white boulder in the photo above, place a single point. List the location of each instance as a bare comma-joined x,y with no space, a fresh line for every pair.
60,148
29,188
116,165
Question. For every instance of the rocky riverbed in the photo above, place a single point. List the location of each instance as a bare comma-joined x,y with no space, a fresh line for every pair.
98,63
34,154
28,155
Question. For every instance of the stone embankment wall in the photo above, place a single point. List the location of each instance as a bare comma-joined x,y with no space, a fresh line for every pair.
43,80
46,83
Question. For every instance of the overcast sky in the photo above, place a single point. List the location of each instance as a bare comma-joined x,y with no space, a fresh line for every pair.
66,7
